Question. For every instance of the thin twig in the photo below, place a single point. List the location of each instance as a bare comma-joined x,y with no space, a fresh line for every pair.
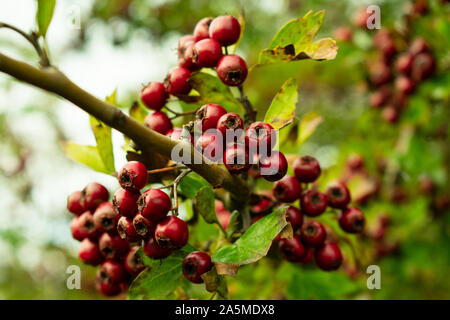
33,39
166,169
179,114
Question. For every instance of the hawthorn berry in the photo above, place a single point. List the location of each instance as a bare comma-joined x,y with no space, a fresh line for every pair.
195,264
211,146
423,66
154,204
273,167
260,136
222,214
343,34
404,85
107,289
154,251
313,233
236,159
380,96
89,252
74,204
133,176
306,169
143,226
158,121
294,217
229,121
404,63
207,53
184,42
351,220
126,230
232,70
225,29
328,257
112,272
313,203
418,46
264,206
390,114
201,30
338,195
208,116
355,162
287,189
125,202
106,217
380,74
92,195
133,262
112,246
292,250
172,232
177,81
360,18
83,227
154,95
309,256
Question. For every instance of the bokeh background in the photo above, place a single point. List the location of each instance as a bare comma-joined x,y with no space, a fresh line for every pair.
123,44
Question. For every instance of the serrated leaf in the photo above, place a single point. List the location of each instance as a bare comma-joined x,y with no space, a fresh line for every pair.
44,15
307,126
294,41
282,109
253,245
204,204
161,277
103,136
191,184
87,155
212,90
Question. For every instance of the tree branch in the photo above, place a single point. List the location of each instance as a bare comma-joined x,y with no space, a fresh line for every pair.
54,81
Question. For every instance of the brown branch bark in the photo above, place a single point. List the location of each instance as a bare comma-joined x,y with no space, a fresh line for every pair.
54,81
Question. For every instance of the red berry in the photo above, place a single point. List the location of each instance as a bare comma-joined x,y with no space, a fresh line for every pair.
83,227
355,162
158,121
125,202
195,264
418,46
106,217
390,114
92,195
236,159
154,95
207,53
273,167
404,85
328,257
154,204
380,97
89,252
211,146
292,250
229,121
343,34
184,42
154,251
313,233
306,169
379,74
264,206
187,60
223,215
112,246
106,289
313,203
172,232
143,226
133,262
404,63
309,256
126,230
201,30
112,272
287,189
208,116
338,195
232,70
74,204
352,220
261,137
133,176
177,81
225,29
294,217
360,18
423,66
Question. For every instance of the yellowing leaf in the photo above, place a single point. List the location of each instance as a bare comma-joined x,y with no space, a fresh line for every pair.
307,126
282,109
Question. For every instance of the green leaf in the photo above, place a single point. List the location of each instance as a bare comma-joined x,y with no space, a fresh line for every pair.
161,277
87,155
212,90
215,283
103,136
253,245
307,126
137,112
282,109
191,184
294,41
44,15
204,203
233,223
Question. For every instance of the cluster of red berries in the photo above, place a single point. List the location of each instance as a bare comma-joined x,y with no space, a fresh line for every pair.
111,232
396,75
311,238
204,49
